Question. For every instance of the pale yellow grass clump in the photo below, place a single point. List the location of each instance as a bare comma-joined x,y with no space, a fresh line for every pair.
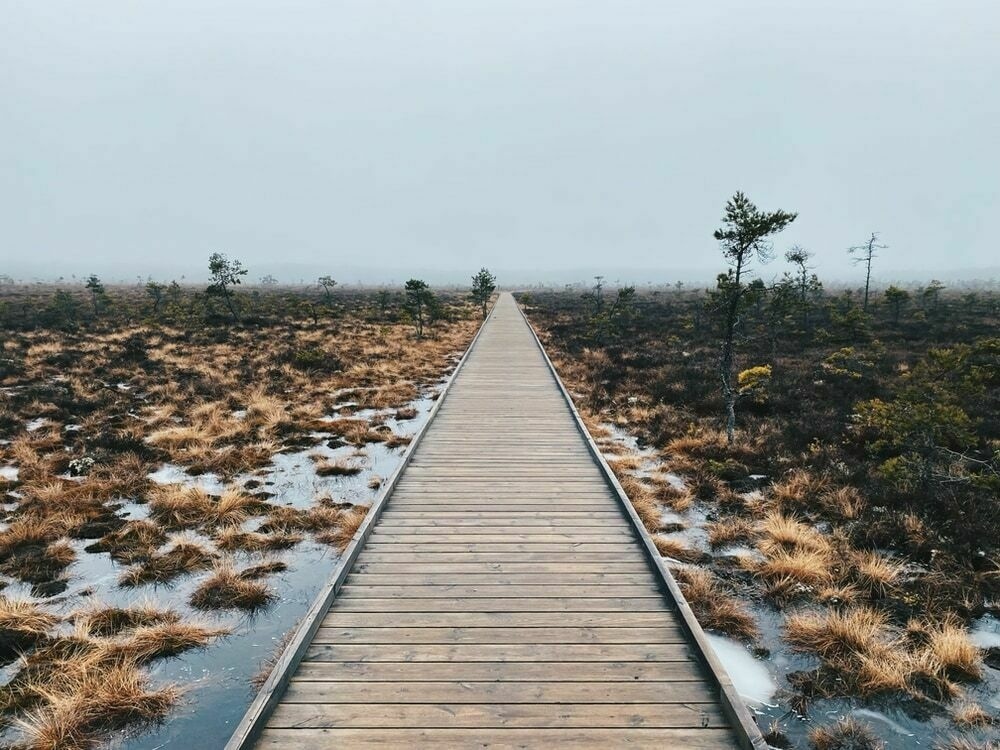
228,588
715,608
971,716
347,524
730,531
858,648
874,572
845,734
676,549
844,502
22,624
948,650
798,489
179,507
781,533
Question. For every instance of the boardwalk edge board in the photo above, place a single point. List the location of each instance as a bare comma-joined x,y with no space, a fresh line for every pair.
269,695
744,726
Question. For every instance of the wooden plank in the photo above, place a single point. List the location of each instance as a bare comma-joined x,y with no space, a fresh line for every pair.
499,652
495,715
338,618
612,559
496,535
349,601
598,567
336,633
485,591
497,739
306,691
461,672
500,579
581,548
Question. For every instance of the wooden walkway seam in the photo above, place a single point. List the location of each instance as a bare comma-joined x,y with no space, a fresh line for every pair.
500,593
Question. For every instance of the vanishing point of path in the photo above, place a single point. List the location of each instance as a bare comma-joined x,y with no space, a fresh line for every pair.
503,598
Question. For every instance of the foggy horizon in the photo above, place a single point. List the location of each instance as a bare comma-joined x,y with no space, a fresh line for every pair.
548,143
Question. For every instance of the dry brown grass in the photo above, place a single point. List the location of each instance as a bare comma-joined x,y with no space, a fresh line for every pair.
23,624
643,501
861,653
673,497
843,502
178,507
133,542
347,524
781,534
183,557
101,620
845,734
677,550
227,588
327,468
730,531
971,716
948,651
88,704
233,538
76,688
164,639
803,567
715,608
834,633
873,572
798,489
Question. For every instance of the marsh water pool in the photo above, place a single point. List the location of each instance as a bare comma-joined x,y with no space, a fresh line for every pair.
761,675
217,681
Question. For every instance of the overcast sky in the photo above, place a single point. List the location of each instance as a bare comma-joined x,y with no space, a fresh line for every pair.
542,138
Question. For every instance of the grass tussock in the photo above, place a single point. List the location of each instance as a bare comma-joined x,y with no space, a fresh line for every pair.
84,706
643,501
78,687
178,507
228,588
23,624
971,716
100,620
729,531
347,524
677,550
845,734
327,468
133,542
715,608
798,489
232,538
181,558
165,639
873,572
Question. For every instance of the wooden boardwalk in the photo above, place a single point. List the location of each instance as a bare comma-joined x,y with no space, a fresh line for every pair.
503,597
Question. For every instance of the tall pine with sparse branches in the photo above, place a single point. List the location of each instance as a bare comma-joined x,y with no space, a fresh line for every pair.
744,238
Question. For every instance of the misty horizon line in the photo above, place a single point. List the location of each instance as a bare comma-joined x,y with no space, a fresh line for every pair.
513,282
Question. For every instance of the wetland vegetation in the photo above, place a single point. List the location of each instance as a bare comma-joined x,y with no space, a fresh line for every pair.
174,462
827,490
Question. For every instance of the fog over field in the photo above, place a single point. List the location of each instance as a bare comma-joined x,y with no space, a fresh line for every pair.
548,141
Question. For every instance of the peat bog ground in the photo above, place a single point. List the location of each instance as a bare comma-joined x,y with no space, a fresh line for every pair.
843,551
177,486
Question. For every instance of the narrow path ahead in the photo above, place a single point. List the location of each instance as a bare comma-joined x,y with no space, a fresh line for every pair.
504,598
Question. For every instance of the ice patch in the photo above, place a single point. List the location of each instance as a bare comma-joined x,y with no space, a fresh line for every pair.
749,675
